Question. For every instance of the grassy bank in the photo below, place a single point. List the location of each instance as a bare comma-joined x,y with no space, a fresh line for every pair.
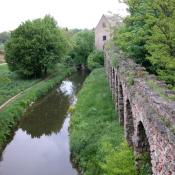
11,84
97,140
11,114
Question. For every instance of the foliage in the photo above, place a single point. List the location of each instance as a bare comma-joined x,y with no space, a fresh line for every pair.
145,163
95,60
35,46
11,84
83,46
147,35
95,135
161,42
120,161
12,113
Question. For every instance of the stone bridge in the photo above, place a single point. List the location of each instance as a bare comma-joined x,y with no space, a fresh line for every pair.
146,109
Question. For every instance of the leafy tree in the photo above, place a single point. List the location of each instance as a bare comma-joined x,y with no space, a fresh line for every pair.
83,46
34,46
147,35
161,43
95,60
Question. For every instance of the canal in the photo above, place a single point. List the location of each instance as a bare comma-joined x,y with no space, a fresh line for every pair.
40,145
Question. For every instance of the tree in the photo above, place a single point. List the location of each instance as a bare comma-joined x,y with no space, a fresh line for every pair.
161,43
147,36
83,46
95,60
34,46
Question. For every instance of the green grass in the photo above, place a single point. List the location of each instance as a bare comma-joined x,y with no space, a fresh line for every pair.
12,113
96,137
11,84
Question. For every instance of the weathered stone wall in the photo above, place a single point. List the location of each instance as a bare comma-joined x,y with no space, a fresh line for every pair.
146,110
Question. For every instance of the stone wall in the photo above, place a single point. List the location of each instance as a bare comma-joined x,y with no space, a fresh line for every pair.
146,110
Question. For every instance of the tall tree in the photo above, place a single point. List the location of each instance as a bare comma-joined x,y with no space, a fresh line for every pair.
147,35
83,46
161,43
34,46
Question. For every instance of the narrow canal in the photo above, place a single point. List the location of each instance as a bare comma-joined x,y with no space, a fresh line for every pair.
40,145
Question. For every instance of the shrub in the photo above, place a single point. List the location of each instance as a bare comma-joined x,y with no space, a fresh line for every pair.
95,60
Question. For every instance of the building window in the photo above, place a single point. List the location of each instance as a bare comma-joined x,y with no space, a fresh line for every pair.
104,38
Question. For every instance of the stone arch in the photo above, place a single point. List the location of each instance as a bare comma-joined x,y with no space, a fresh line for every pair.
143,159
121,104
129,125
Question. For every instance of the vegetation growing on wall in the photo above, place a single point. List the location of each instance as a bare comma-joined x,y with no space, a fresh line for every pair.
147,36
96,137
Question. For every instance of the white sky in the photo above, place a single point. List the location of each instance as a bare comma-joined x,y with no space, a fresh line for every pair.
68,13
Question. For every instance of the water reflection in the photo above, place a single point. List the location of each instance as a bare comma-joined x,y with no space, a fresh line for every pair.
47,116
41,144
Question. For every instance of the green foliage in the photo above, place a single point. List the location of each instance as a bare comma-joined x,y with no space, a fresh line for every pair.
35,46
83,46
119,161
147,35
12,113
11,84
145,163
161,42
95,60
96,136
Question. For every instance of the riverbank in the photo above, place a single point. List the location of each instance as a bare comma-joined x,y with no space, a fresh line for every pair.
11,114
96,137
11,84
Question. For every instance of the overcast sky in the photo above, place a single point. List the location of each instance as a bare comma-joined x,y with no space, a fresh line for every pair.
68,13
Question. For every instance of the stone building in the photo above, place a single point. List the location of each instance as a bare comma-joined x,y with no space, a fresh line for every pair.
103,28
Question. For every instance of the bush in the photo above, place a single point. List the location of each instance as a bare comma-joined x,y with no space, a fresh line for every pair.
119,161
95,60
35,46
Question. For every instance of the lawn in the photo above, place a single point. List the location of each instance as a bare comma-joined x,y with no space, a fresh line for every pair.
11,84
97,140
